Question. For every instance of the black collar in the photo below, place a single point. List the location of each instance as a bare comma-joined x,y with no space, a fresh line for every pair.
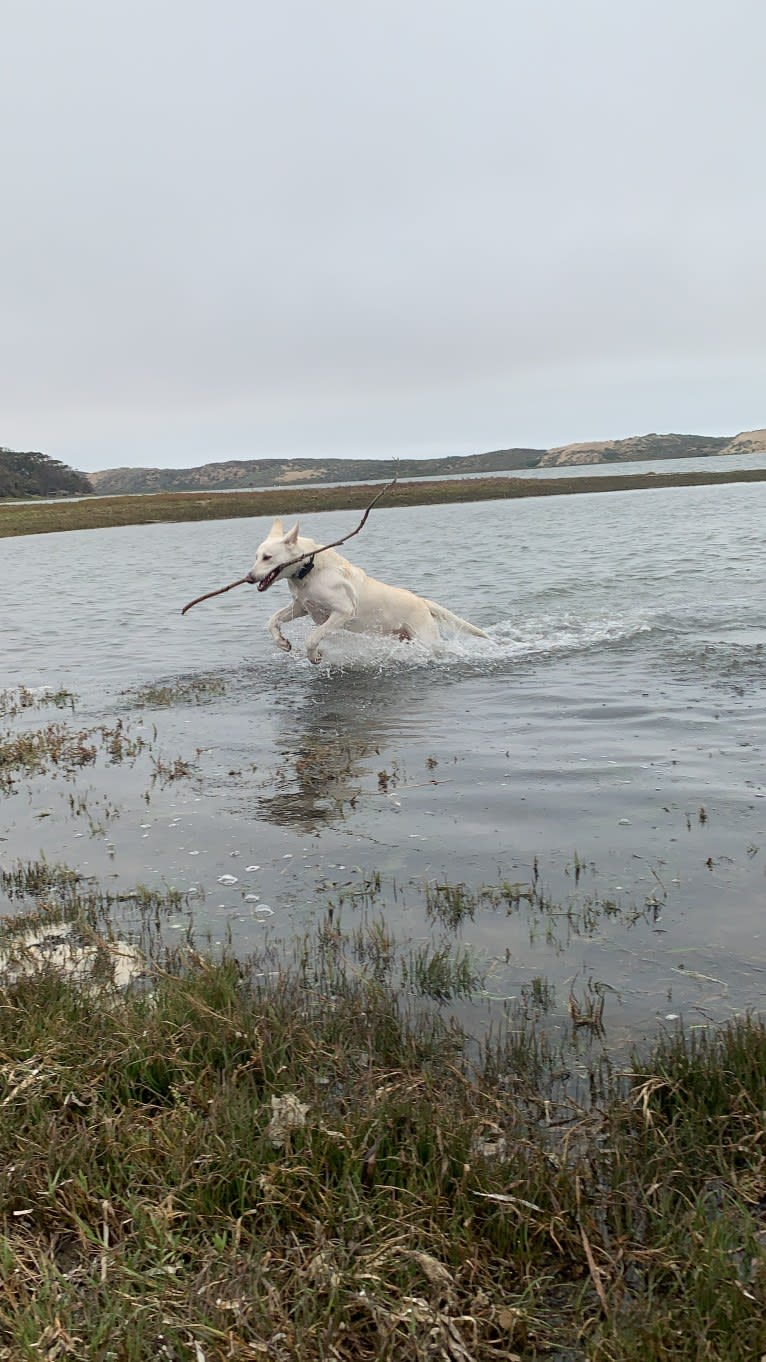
305,570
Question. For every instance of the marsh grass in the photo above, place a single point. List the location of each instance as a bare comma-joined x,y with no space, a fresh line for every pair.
294,1157
58,748
159,507
581,915
165,771
62,749
194,690
19,698
42,880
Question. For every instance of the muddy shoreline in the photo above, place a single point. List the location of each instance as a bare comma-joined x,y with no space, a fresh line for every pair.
164,507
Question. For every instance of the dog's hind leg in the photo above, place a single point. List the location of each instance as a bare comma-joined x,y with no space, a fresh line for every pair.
335,621
293,611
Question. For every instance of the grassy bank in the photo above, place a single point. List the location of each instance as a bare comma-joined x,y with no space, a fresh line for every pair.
101,512
305,1158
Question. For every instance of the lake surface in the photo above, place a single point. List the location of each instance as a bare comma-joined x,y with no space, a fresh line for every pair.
606,743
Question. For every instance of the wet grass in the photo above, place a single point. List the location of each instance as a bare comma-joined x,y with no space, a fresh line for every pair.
20,698
40,880
162,507
452,904
58,747
296,1157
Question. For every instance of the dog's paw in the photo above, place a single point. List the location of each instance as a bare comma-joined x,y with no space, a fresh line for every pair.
316,658
284,644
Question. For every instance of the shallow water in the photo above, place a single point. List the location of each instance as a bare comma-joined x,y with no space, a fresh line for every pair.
608,739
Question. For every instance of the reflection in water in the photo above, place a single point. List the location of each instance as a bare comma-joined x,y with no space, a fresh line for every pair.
330,737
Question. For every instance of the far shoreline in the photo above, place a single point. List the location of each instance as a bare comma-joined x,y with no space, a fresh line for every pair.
96,512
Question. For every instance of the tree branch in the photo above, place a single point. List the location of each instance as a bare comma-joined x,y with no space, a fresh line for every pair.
240,582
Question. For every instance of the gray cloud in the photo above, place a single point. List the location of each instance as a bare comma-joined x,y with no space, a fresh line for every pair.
243,228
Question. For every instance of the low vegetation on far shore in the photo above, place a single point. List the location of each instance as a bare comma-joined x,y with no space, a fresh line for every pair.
306,1157
42,517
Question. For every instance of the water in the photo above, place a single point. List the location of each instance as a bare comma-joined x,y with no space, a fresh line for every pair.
606,744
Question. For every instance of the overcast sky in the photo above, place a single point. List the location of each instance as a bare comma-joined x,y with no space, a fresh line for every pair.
239,228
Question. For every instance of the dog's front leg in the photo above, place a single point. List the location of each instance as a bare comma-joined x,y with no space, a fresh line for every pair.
293,611
336,620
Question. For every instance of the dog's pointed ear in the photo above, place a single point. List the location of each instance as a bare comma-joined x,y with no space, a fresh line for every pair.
292,535
276,528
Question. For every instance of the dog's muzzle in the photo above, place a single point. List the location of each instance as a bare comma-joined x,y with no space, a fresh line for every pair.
266,581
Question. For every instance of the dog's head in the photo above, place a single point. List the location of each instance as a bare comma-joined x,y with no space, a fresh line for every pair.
272,556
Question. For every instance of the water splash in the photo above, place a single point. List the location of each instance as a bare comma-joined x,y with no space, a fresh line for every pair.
508,641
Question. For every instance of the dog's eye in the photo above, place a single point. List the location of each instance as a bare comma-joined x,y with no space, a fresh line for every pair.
267,557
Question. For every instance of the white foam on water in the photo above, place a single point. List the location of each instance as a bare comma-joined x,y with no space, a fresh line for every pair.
507,641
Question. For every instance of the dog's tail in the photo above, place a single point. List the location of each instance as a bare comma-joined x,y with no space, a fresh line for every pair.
447,617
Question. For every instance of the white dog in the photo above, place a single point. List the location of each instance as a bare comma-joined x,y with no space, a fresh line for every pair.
339,595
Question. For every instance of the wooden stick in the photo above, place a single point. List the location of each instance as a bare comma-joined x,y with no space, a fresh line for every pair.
208,594
300,558
310,553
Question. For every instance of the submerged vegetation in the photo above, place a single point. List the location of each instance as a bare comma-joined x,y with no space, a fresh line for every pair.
101,512
298,1157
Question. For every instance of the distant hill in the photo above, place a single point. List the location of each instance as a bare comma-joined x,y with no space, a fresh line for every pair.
32,474
748,442
637,447
237,474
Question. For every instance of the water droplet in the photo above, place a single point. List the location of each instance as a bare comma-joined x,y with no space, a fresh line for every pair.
227,879
252,867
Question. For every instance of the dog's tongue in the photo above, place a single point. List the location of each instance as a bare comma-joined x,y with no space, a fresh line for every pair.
269,579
